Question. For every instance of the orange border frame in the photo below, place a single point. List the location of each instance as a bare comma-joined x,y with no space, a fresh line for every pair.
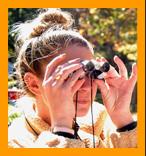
4,5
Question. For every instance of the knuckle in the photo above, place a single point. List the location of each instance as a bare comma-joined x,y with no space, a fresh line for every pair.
47,83
64,71
58,68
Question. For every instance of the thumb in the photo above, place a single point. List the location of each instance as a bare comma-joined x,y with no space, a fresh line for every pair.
103,87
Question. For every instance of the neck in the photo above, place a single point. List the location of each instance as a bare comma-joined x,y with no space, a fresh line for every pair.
42,111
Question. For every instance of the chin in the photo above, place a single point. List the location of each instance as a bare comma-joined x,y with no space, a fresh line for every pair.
81,114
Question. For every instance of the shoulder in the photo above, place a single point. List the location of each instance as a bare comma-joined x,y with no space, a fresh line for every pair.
19,135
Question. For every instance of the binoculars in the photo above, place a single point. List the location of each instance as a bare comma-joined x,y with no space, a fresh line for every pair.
94,69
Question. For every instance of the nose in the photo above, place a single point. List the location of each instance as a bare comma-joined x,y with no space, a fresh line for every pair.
86,85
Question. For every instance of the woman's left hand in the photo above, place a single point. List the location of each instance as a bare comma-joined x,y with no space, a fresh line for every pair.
117,92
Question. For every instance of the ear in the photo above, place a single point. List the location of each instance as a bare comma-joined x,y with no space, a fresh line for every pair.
32,83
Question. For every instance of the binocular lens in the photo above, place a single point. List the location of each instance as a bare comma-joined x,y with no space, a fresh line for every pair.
105,67
93,68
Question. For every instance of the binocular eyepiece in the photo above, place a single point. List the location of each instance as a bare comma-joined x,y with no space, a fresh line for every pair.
94,69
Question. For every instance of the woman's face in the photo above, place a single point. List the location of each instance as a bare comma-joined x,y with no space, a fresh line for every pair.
84,93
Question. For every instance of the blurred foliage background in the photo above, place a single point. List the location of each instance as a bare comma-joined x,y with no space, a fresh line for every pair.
112,31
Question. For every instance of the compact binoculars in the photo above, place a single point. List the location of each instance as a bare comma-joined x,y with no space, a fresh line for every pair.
94,69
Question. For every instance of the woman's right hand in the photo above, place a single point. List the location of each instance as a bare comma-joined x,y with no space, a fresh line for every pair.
59,89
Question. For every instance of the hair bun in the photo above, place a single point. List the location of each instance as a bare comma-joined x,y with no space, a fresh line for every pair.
49,19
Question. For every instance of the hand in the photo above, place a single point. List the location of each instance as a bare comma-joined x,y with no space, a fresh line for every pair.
117,92
59,89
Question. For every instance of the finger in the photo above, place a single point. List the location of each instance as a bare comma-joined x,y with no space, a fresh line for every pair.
56,61
121,66
72,80
114,82
74,60
77,60
112,73
64,73
133,77
98,59
103,59
77,85
103,87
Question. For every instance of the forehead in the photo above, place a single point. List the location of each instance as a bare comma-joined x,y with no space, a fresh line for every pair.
75,51
72,52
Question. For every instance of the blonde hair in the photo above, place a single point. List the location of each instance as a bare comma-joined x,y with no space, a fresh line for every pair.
42,37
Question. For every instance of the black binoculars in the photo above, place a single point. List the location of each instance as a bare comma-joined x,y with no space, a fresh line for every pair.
94,69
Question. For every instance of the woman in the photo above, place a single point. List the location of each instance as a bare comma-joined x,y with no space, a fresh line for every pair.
50,69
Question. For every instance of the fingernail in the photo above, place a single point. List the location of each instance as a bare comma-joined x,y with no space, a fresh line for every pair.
77,59
134,64
70,61
103,59
115,57
62,55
